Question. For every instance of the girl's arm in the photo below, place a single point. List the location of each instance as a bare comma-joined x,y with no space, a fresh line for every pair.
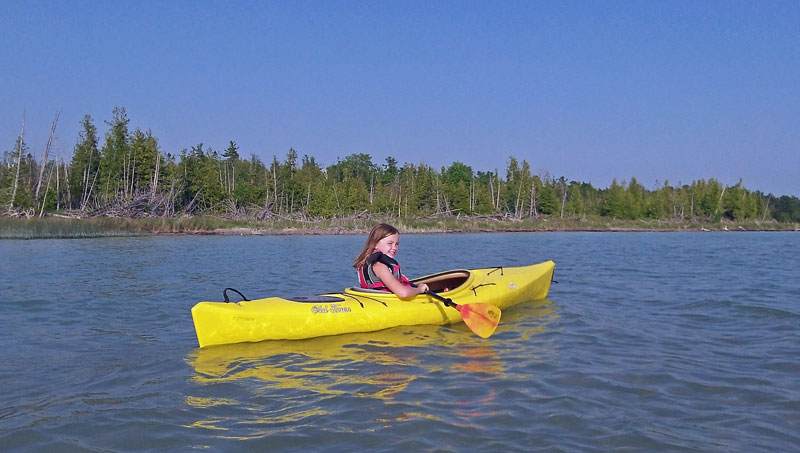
385,274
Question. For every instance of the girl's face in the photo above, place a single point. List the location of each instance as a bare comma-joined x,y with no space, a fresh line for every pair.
388,245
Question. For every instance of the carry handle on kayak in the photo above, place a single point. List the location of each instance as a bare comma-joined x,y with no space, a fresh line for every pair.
225,294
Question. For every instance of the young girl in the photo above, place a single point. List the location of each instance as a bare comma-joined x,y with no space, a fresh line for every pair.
377,268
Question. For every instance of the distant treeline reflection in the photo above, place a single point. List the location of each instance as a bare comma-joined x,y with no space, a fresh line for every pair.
128,175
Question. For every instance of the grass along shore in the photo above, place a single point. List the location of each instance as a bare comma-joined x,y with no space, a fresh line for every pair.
58,228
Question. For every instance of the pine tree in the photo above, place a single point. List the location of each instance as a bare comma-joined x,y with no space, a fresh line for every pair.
114,164
85,165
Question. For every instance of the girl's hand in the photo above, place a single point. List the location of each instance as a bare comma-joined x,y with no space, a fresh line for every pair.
423,288
404,292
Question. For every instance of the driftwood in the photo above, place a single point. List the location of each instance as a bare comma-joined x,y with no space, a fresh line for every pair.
140,204
26,213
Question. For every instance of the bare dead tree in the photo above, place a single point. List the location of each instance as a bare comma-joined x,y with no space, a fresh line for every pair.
438,202
719,203
266,188
46,152
133,173
371,189
491,191
89,189
66,183
58,186
46,189
533,212
154,184
85,182
20,146
497,205
336,196
400,200
472,195
275,179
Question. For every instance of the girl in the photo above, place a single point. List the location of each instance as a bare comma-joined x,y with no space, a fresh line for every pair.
377,268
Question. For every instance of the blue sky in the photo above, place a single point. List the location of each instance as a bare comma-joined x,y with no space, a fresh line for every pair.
589,90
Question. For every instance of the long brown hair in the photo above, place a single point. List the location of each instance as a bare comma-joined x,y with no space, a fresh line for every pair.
378,232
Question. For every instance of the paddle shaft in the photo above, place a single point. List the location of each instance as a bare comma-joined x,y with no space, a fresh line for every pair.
446,301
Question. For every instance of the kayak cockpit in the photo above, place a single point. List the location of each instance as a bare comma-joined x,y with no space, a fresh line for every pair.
445,281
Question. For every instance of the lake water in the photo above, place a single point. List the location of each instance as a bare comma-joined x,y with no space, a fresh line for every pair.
648,342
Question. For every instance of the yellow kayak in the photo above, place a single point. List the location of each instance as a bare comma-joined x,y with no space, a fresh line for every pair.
364,310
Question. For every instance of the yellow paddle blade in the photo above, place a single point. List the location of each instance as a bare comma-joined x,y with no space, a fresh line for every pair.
480,318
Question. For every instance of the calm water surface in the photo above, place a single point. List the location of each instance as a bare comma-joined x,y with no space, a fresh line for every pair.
649,342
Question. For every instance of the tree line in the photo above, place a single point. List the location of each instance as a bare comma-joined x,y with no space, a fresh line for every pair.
127,174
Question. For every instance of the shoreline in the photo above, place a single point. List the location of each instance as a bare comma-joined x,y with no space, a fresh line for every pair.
53,227
305,232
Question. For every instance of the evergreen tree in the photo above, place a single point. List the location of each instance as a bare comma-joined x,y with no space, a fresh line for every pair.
18,180
204,181
390,171
736,203
710,198
311,177
144,149
634,199
231,152
614,201
574,206
115,156
457,181
85,165
547,198
230,167
787,209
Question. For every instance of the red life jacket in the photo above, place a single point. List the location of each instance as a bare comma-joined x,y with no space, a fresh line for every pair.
368,279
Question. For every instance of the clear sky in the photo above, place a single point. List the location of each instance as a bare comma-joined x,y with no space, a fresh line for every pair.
588,90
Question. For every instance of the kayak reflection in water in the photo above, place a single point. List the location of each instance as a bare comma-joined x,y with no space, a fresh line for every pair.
377,267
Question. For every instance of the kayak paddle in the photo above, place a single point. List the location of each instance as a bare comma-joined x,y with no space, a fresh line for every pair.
479,317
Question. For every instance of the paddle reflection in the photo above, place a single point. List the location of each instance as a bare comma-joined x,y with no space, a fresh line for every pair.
479,359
